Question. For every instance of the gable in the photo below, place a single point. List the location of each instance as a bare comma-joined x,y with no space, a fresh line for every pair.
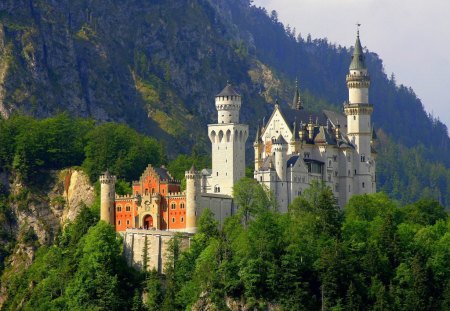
277,125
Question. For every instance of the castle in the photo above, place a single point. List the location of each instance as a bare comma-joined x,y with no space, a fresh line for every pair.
291,150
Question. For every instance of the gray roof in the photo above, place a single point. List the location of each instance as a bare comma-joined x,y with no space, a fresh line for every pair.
292,160
292,115
267,164
280,140
358,58
163,173
228,91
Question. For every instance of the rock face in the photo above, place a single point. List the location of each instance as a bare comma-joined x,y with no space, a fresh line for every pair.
78,191
46,210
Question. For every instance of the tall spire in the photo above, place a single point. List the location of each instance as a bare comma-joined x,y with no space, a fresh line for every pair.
258,135
297,102
358,58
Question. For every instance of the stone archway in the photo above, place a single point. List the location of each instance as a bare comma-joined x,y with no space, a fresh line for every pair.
148,222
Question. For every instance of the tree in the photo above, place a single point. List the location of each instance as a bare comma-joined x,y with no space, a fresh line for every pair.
251,198
95,284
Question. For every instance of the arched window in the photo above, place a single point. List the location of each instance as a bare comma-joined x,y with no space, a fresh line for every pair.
173,219
181,205
182,219
128,222
173,205
128,208
118,222
119,208
363,185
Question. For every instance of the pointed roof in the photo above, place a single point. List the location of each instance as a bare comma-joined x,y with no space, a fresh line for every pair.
297,101
258,135
358,58
280,140
192,169
228,91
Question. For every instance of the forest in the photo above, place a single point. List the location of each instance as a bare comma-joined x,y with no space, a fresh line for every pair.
379,253
374,255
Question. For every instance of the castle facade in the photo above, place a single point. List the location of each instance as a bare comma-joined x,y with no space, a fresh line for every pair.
291,150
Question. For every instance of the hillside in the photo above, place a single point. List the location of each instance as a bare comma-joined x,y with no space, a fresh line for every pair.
156,65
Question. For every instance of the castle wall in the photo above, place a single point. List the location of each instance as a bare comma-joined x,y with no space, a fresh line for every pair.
221,206
149,248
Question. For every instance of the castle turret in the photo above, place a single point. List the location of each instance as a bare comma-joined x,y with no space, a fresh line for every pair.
280,147
358,111
295,140
228,139
193,190
258,146
107,196
228,104
297,102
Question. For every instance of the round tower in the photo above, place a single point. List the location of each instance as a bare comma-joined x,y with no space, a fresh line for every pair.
107,196
228,139
280,147
358,111
228,104
192,198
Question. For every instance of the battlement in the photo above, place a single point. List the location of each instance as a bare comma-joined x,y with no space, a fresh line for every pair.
125,197
176,194
107,178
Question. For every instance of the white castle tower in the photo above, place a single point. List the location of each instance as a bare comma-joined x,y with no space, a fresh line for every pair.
359,128
107,195
228,139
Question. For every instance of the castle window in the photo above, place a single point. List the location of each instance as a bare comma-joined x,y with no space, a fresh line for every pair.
329,163
349,159
173,219
128,222
119,208
334,158
173,205
128,208
307,155
354,117
217,173
153,190
146,191
182,219
335,173
355,172
260,178
363,185
348,173
363,158
181,205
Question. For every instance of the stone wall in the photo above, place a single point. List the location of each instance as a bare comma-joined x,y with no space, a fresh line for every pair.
150,247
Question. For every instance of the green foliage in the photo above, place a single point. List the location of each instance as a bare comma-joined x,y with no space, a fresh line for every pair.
121,150
84,270
33,147
375,255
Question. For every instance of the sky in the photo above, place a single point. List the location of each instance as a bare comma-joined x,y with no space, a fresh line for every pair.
412,37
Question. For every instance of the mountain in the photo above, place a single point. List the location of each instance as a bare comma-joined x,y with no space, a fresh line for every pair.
156,65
